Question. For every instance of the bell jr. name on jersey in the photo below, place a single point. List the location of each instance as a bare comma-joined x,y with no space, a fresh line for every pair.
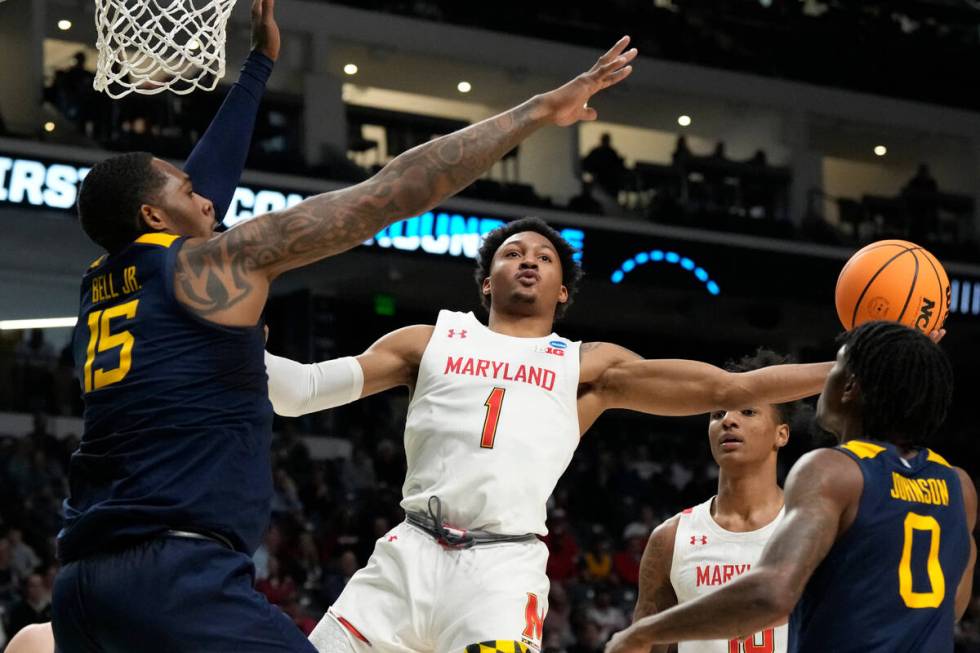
106,286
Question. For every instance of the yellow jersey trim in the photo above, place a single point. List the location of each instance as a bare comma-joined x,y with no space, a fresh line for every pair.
934,457
163,240
97,262
862,449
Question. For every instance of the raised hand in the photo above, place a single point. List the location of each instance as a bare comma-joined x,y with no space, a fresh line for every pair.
265,30
568,104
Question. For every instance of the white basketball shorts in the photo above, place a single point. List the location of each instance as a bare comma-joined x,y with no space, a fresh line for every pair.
417,595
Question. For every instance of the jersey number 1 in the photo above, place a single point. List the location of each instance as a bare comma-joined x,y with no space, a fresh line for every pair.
101,339
493,403
751,645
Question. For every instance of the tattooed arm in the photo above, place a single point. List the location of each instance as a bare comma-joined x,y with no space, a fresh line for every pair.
656,592
226,278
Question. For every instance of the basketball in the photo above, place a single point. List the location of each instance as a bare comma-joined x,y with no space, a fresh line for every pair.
893,280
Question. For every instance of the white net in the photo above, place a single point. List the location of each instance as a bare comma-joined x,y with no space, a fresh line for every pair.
151,46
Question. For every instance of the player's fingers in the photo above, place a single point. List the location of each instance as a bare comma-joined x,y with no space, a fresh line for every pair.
617,76
616,63
588,114
615,50
938,335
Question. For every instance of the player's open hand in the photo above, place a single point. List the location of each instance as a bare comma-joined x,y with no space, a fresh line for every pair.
568,104
265,30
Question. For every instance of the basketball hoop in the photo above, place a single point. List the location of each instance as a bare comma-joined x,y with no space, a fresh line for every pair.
151,46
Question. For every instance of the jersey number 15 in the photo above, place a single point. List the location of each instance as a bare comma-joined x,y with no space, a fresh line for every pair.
102,339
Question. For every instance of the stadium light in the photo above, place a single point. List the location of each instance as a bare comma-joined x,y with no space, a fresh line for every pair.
64,25
684,120
40,323
881,150
464,87
350,69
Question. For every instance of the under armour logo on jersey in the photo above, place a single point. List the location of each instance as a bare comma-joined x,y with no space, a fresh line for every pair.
699,539
392,538
461,333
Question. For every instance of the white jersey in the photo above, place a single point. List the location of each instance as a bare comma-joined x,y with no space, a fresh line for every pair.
491,426
706,556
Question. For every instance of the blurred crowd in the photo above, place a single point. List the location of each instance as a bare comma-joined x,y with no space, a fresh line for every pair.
626,478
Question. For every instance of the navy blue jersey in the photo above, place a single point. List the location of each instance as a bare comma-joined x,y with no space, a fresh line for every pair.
889,583
177,416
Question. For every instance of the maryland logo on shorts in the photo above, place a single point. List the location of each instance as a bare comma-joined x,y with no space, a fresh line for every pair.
498,646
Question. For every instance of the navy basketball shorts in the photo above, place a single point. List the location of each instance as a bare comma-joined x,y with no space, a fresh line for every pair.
168,595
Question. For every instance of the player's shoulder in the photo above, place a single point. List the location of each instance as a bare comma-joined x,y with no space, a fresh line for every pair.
660,544
828,469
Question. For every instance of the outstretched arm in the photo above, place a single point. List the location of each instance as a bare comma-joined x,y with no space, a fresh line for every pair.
299,389
822,492
226,278
615,377
215,165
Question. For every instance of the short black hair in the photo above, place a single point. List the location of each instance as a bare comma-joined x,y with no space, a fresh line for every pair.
906,381
571,271
111,195
786,412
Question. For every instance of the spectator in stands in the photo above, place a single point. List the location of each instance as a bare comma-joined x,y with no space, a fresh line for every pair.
588,638
558,622
277,587
584,202
8,575
34,607
23,559
608,617
606,167
626,563
598,561
563,556
268,549
681,152
73,94
921,196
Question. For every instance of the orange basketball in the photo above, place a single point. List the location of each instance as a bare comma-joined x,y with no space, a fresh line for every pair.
893,280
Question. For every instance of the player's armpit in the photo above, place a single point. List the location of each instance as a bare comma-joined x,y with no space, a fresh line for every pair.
394,359
620,379
964,590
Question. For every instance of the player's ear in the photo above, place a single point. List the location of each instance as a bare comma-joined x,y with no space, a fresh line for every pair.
562,295
851,392
486,286
782,435
153,217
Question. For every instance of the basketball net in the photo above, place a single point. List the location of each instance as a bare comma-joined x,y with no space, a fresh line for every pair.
151,46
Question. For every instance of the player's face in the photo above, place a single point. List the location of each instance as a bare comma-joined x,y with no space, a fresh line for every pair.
748,436
830,409
525,276
180,209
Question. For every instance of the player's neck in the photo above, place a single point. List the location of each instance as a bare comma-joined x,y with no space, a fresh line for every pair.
520,326
748,499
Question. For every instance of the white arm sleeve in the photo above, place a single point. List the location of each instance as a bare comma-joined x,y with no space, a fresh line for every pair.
297,389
